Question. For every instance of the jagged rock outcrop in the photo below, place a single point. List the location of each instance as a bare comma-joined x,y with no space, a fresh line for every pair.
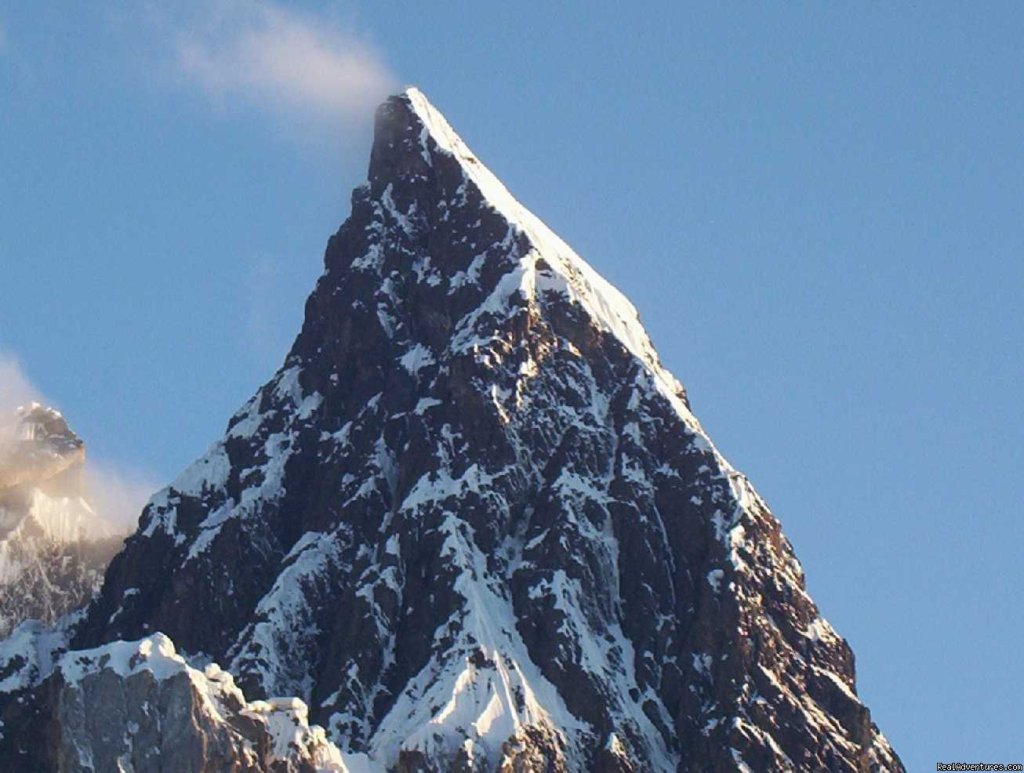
473,523
138,706
54,547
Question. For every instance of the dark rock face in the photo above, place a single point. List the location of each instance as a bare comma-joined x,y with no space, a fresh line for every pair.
473,523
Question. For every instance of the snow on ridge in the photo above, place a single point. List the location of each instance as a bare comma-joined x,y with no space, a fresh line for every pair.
605,303
487,684
34,647
208,475
287,723
286,719
155,653
553,266
268,645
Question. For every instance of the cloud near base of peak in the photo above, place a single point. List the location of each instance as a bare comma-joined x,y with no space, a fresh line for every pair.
263,55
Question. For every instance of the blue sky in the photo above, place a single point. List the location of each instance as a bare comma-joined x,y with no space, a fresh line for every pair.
816,207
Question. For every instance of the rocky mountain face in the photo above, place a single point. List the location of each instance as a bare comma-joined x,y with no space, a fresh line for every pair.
472,524
138,706
54,547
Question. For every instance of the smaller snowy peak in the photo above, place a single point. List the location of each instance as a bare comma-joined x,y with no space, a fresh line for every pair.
43,493
54,545
36,444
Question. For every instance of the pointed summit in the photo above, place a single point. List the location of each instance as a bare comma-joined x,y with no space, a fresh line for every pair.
473,525
424,179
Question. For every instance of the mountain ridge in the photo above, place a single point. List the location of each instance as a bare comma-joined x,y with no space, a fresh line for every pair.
473,523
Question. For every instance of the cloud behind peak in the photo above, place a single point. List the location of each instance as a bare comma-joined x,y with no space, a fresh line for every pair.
283,61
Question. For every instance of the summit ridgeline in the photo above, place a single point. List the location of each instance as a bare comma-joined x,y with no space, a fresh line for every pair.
471,524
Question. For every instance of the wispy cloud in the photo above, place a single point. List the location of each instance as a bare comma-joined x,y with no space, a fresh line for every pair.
281,60
15,387
118,493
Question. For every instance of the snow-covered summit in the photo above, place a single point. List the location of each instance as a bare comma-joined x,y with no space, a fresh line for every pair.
551,264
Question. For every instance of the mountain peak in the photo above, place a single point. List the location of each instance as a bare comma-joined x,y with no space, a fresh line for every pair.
473,525
416,149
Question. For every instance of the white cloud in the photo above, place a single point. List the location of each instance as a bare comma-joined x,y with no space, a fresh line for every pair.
15,387
282,60
118,494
